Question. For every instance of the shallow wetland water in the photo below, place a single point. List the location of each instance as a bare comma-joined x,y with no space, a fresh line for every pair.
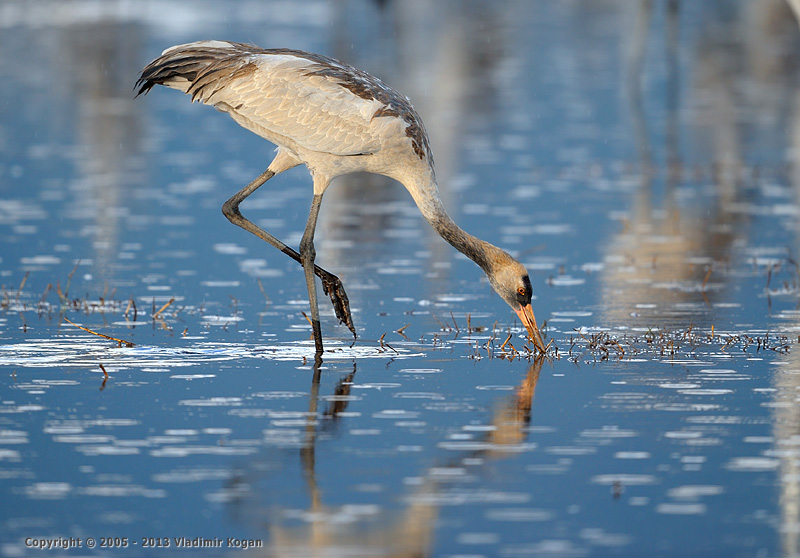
638,158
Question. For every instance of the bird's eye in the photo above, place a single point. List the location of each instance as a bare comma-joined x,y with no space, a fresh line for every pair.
521,291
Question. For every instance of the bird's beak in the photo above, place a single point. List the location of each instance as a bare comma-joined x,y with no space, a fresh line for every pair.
525,314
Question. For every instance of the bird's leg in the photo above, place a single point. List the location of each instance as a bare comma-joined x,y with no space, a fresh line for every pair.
307,256
331,284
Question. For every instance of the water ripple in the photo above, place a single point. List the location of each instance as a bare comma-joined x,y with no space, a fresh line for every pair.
78,353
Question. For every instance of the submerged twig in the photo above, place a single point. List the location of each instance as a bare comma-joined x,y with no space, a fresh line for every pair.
263,292
705,279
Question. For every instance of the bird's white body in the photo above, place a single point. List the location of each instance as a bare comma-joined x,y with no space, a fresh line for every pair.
300,105
336,120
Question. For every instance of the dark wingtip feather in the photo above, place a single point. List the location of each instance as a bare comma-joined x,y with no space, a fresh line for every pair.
179,63
147,79
143,85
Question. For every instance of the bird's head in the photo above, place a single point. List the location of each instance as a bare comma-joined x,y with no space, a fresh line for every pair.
510,280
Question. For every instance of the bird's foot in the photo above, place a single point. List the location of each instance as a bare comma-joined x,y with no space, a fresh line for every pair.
333,287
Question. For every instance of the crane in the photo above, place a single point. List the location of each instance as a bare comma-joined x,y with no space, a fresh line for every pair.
335,119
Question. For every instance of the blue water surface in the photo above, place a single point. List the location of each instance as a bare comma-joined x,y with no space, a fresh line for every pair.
637,157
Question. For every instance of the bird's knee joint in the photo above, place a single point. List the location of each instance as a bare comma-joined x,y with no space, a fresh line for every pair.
230,210
307,251
308,256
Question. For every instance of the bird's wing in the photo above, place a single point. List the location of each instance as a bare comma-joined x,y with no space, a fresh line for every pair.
289,97
284,96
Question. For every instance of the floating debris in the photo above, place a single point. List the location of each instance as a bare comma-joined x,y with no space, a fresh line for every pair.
605,345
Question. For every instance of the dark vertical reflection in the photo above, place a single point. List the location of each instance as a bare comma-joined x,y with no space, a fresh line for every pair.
308,451
673,91
635,72
96,61
81,139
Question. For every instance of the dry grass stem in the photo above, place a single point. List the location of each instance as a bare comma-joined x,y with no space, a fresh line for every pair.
160,310
121,342
22,285
454,322
441,325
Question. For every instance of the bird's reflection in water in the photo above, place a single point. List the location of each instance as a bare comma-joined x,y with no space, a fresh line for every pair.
402,532
511,417
337,406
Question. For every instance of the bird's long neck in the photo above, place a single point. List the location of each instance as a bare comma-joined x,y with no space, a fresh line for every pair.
426,196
